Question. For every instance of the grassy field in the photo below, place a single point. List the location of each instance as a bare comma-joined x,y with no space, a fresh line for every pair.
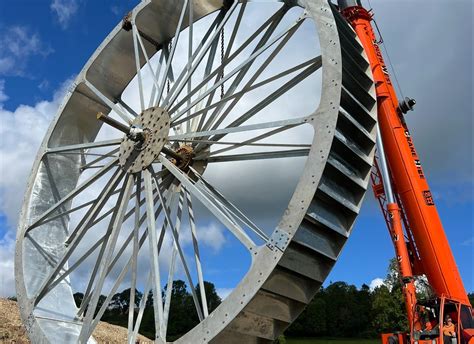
331,341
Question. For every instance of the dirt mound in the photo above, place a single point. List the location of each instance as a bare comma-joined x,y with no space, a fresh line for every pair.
12,330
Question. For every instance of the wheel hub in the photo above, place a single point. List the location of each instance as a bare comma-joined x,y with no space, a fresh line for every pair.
137,155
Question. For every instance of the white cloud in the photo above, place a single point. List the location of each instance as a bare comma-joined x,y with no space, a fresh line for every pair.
7,279
3,96
17,151
19,44
21,132
64,11
375,283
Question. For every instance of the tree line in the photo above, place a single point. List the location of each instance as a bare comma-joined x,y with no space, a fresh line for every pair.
338,310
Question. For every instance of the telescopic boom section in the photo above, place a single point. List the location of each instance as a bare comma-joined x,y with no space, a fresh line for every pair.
409,181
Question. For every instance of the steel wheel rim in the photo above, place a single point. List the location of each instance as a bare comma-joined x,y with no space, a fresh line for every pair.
324,121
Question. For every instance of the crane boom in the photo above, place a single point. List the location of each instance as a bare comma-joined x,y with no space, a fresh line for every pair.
407,175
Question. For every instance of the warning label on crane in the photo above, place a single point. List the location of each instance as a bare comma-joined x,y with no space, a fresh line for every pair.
428,197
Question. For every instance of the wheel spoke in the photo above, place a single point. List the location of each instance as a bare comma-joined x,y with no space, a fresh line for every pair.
138,66
180,251
260,155
80,231
142,46
122,202
72,194
173,49
238,79
236,212
190,52
200,53
228,130
197,257
269,99
155,266
236,96
154,88
80,146
108,102
101,157
235,229
131,310
169,283
242,67
249,141
125,244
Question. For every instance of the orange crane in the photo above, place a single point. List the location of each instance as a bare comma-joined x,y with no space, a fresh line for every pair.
400,186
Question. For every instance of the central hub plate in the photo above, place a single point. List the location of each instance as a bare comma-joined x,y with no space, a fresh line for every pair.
136,156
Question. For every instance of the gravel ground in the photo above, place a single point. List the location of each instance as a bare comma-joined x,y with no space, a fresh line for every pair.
12,330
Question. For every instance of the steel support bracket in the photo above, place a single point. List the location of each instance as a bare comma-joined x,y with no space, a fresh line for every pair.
279,239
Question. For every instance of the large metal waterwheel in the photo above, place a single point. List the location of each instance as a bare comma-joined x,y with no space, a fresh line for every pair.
168,113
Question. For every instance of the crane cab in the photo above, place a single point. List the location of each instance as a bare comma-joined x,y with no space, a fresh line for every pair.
430,321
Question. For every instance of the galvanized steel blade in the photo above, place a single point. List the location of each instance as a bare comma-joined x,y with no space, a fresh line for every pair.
79,234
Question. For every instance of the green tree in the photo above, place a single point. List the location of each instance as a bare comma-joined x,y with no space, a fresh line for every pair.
387,303
213,299
312,322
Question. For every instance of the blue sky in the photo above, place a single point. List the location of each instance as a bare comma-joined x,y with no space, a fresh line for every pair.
51,40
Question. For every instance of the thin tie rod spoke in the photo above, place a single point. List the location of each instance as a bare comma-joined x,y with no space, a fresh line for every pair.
242,66
143,237
138,66
238,95
110,154
238,79
260,155
249,141
183,78
173,49
87,145
270,99
227,60
228,130
240,144
142,46
236,230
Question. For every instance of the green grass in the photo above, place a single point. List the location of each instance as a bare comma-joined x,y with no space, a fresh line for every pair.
331,341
